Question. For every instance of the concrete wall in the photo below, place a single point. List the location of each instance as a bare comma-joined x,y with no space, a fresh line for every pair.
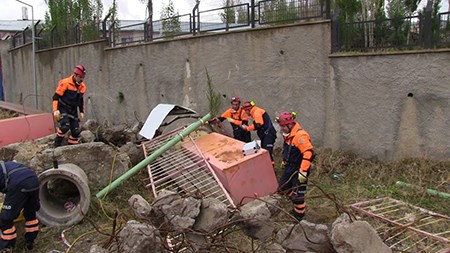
357,104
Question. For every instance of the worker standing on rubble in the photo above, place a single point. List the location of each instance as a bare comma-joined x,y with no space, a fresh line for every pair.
21,187
298,155
263,126
67,100
237,118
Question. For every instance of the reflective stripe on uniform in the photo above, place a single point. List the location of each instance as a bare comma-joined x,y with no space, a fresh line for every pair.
31,226
9,234
72,140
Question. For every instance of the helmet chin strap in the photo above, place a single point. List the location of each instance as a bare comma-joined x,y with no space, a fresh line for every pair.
288,133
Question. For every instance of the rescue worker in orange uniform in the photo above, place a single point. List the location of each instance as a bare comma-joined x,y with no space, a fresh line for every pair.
298,155
67,100
237,118
21,187
263,126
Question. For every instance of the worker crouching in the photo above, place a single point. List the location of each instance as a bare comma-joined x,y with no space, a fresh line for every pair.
21,187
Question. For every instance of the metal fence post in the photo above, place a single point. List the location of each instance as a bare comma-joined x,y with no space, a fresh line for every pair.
427,28
335,31
328,9
149,22
24,35
194,16
252,13
105,32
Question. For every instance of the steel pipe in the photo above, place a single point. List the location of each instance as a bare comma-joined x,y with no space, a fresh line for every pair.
153,156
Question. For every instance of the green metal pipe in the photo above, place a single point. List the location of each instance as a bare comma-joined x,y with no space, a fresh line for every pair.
153,156
429,191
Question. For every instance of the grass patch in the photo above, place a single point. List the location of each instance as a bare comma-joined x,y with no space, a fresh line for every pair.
6,114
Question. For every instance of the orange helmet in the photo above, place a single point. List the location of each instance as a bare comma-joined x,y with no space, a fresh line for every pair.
248,105
285,118
235,99
80,70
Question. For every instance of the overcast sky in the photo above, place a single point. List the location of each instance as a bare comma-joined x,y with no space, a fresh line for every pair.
128,9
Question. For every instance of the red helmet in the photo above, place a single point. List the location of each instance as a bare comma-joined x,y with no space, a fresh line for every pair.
80,70
235,99
248,105
285,118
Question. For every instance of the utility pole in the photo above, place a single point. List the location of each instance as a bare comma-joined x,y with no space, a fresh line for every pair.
33,54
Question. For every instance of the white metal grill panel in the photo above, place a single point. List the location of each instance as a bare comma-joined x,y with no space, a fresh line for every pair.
183,169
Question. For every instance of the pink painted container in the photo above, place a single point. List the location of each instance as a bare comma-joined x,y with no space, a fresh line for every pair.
243,176
25,128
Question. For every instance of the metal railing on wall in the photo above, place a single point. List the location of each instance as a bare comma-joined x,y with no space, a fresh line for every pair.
240,16
402,33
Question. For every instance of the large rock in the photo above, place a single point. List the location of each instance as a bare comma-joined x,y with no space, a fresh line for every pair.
174,213
255,218
23,152
87,136
357,237
135,152
181,214
97,249
140,206
270,247
305,236
96,159
136,237
213,215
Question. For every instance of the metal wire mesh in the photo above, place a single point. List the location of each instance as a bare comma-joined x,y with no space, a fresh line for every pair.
183,169
405,227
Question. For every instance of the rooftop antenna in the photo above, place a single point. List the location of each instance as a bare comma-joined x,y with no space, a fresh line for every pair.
24,13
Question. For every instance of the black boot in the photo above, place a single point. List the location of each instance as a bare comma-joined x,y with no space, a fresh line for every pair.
297,216
29,245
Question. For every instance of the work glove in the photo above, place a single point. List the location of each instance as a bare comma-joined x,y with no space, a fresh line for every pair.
57,115
302,177
81,115
213,120
230,120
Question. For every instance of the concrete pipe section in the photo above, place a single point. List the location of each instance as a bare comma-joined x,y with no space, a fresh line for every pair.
65,195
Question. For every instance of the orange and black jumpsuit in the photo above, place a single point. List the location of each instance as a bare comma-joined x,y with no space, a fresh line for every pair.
264,129
68,99
239,118
21,187
297,156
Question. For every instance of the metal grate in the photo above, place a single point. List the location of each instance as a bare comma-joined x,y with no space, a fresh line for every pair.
183,169
405,227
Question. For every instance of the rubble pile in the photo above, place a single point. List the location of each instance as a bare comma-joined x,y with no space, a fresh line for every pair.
175,223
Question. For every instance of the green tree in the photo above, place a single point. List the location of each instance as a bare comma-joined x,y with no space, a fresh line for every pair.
73,20
436,31
278,11
214,100
150,16
113,21
228,16
171,24
381,30
242,14
351,35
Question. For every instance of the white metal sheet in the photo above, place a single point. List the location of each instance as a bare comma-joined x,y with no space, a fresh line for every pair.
157,116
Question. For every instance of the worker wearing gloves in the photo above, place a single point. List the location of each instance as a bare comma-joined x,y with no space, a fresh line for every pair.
237,118
21,187
297,157
263,126
67,100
